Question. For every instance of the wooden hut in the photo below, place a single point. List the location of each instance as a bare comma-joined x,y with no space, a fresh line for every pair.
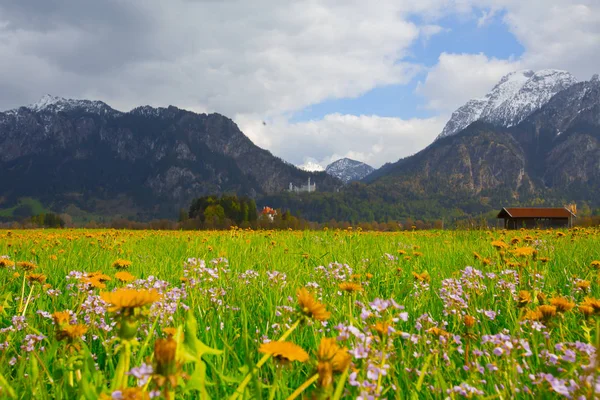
536,217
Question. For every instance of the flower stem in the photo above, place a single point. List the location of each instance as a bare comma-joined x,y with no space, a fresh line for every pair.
122,366
303,387
28,300
240,389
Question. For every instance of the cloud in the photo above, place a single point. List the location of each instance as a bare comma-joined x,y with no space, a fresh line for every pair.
456,78
558,34
368,138
228,56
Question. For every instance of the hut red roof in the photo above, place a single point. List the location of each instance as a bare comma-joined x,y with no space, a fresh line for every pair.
535,212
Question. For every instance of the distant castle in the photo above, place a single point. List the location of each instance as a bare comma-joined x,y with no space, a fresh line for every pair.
304,188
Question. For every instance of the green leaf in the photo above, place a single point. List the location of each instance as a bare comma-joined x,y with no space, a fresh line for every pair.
198,381
194,348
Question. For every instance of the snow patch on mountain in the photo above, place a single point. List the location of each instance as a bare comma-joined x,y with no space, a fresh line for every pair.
513,99
311,166
49,103
348,170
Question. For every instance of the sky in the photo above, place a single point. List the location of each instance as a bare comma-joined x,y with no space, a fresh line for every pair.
308,80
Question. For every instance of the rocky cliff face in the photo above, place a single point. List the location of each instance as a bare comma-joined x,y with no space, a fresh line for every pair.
157,159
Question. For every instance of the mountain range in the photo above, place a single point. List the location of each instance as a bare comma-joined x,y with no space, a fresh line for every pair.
511,149
533,139
144,163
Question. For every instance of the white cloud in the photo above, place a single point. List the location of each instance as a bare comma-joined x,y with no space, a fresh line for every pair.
559,34
368,138
265,59
456,78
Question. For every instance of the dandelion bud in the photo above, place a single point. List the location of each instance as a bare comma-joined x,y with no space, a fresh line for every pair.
164,356
469,321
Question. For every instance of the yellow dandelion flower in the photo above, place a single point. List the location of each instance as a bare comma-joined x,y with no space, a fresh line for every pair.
26,265
469,321
6,263
350,287
124,276
499,244
61,317
284,352
94,282
586,310
127,299
593,303
311,307
72,332
562,304
595,264
121,264
422,277
165,351
524,252
532,315
36,278
523,298
515,240
547,311
331,358
583,285
435,331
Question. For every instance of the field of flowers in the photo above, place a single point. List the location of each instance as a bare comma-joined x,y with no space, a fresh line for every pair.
321,314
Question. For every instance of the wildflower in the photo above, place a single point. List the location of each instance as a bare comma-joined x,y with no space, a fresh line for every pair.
547,311
524,298
595,264
583,285
94,282
544,259
469,321
36,278
164,357
6,263
592,303
532,315
26,265
311,307
422,277
524,252
61,317
331,358
127,299
435,331
122,264
588,311
515,240
499,244
124,276
562,304
284,352
350,287
383,328
72,332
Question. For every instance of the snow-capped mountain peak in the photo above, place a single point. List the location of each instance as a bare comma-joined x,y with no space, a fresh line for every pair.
513,99
59,104
311,166
348,170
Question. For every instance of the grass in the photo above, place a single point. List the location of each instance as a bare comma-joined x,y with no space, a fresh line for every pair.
417,346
